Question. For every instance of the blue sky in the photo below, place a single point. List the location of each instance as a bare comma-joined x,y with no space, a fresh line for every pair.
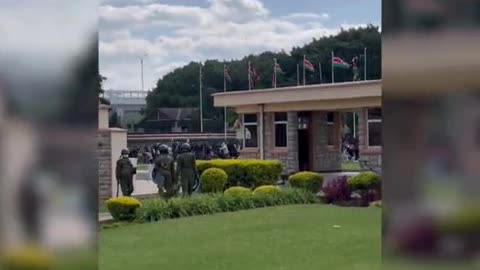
175,32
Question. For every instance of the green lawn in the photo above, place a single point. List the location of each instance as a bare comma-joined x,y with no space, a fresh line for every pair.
350,166
288,237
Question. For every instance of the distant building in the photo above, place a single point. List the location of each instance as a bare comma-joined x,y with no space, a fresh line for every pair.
175,120
128,105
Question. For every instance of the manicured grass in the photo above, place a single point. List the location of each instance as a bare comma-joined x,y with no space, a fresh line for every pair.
350,166
288,237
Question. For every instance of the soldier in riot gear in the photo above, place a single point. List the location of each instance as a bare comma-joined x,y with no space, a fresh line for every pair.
124,173
186,169
164,173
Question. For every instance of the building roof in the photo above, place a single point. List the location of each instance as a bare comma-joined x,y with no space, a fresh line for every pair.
347,95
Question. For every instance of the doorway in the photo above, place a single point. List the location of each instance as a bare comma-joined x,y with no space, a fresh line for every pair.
304,153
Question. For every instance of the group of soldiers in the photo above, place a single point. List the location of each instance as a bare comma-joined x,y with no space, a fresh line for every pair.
202,151
167,173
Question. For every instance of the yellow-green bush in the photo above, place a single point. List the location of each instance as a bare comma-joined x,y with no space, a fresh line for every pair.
27,259
213,180
310,181
267,190
238,192
245,172
465,221
123,208
364,181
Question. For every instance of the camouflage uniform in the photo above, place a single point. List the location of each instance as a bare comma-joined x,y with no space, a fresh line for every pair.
187,169
124,173
164,173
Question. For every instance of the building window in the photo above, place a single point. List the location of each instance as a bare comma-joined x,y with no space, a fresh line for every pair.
281,129
374,122
330,120
250,130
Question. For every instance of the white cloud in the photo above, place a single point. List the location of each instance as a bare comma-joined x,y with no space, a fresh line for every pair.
306,15
174,35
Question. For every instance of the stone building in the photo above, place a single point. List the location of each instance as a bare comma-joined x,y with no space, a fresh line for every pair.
302,125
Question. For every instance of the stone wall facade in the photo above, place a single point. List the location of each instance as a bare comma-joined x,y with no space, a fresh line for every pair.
373,155
325,157
104,154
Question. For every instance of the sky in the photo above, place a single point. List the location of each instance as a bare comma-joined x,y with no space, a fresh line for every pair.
168,34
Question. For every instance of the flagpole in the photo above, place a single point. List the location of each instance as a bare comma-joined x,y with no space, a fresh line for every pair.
225,107
365,63
201,101
249,79
354,124
333,71
320,71
298,75
275,72
304,69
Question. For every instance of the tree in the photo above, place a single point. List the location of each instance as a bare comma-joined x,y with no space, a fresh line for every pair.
180,88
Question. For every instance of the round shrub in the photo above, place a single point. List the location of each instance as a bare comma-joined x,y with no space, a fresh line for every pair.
123,208
238,192
364,181
310,181
267,190
27,259
213,180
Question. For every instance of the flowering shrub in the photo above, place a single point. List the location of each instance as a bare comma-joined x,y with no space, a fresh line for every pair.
336,191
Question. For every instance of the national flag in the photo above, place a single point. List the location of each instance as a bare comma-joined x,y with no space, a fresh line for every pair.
278,68
253,74
339,63
226,74
308,65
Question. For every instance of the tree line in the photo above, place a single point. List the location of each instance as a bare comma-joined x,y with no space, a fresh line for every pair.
180,87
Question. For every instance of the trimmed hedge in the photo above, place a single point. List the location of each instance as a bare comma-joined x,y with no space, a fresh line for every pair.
123,208
213,180
311,181
158,209
250,173
238,192
364,181
267,190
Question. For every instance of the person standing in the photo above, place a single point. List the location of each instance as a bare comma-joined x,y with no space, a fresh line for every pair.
124,173
354,147
186,169
164,173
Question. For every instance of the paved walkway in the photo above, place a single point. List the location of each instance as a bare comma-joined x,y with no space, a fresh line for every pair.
103,217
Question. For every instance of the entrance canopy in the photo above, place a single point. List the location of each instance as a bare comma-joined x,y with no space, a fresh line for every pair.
319,97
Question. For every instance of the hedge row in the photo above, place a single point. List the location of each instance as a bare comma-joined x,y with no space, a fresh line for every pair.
249,173
204,204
